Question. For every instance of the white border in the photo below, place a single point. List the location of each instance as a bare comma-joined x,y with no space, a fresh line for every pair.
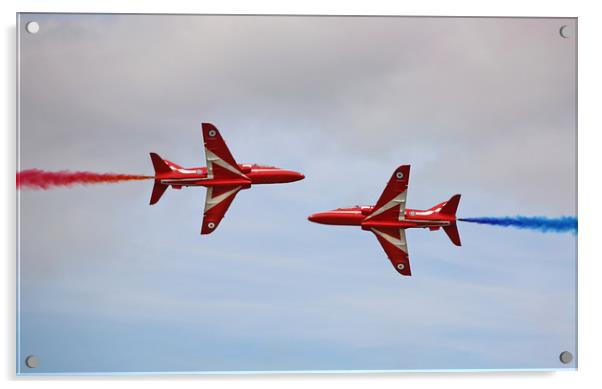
589,190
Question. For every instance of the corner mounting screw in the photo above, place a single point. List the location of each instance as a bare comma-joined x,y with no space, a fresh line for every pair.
31,361
32,27
566,357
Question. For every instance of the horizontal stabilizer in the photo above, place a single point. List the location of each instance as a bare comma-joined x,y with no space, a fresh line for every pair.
453,234
158,190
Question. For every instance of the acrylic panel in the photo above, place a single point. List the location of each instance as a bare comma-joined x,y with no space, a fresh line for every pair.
221,193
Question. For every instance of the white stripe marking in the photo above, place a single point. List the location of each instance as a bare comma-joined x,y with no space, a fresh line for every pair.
400,199
213,158
399,243
211,201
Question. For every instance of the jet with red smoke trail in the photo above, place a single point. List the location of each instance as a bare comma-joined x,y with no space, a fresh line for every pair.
222,177
389,219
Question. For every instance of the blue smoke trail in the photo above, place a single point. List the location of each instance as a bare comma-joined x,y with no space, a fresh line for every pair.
538,223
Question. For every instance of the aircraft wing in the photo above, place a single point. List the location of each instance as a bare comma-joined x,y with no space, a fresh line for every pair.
394,243
217,201
220,163
392,202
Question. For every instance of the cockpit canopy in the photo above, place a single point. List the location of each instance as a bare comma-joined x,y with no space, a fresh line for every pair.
257,166
247,167
364,209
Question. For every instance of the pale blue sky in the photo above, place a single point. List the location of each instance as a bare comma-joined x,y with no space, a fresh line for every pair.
481,107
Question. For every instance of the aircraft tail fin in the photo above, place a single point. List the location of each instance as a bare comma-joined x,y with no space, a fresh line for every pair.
161,167
159,164
449,208
172,165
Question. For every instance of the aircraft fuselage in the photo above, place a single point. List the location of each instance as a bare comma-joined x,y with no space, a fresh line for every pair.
256,174
356,216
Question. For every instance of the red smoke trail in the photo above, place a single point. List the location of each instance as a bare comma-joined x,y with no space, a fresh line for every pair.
40,179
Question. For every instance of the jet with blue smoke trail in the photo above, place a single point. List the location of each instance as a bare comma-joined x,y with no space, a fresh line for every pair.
389,219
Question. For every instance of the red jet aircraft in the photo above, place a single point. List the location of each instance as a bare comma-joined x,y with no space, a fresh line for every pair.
222,177
389,218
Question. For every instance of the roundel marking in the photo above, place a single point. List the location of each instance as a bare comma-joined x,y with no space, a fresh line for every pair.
211,225
399,175
212,133
401,266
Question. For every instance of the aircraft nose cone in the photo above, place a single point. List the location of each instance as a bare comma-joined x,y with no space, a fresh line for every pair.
297,176
316,218
291,176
